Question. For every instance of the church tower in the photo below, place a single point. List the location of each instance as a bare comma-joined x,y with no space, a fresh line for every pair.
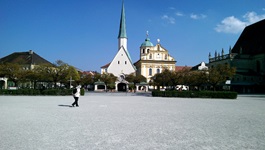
122,37
121,64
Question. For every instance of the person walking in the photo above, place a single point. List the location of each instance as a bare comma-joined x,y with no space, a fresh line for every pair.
76,94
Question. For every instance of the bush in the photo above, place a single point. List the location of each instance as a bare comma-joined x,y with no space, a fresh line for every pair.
36,92
20,92
197,94
82,91
57,92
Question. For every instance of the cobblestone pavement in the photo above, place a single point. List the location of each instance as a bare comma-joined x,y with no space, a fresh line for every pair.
128,121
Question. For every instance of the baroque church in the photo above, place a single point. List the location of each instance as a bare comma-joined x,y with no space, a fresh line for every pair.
153,58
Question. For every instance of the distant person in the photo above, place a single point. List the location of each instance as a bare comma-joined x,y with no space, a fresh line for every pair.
76,94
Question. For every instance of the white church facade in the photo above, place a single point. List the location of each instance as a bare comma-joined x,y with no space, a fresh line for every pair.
122,63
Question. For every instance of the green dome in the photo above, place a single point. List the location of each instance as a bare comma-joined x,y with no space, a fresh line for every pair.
147,43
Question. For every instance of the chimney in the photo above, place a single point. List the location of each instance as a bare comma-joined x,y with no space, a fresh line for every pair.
30,52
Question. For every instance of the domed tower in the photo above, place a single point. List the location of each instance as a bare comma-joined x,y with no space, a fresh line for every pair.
145,48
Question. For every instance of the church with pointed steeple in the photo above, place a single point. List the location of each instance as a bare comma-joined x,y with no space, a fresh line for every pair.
122,63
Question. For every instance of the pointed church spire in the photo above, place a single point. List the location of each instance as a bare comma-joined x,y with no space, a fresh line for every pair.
122,31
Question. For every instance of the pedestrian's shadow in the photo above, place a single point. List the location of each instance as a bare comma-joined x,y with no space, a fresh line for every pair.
65,105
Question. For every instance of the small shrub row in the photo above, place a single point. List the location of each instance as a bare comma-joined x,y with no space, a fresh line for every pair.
20,92
196,94
36,92
57,92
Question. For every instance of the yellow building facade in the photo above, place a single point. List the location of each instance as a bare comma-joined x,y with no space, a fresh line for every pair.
153,59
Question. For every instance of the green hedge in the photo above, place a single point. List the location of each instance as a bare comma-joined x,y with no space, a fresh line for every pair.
197,94
82,92
57,92
40,92
36,92
20,92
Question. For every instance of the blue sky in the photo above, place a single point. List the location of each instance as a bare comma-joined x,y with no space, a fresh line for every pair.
83,33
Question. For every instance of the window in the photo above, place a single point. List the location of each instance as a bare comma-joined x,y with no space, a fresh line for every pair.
122,77
118,62
125,62
150,71
158,56
157,70
166,57
143,51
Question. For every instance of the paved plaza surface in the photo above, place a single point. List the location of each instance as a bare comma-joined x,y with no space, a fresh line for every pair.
131,122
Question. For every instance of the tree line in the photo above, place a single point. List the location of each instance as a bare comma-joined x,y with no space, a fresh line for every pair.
210,79
59,74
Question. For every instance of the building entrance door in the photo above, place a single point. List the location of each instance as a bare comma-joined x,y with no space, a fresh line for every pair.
122,87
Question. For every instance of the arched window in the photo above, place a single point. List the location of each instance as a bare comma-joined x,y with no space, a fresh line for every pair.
157,70
143,51
150,71
118,62
125,62
147,50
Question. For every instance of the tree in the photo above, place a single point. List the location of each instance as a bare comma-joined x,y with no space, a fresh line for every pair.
10,71
198,78
44,72
220,74
164,79
86,79
60,72
71,74
132,78
109,79
29,76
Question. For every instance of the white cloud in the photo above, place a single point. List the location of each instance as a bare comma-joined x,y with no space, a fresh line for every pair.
170,20
234,25
230,25
179,14
197,16
252,17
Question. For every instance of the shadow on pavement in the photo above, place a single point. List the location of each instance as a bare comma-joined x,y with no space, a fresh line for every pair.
65,105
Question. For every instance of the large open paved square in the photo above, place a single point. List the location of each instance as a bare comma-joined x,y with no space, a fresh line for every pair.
122,121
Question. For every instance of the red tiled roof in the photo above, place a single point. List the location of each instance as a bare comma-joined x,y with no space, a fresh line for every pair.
89,72
105,66
179,68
